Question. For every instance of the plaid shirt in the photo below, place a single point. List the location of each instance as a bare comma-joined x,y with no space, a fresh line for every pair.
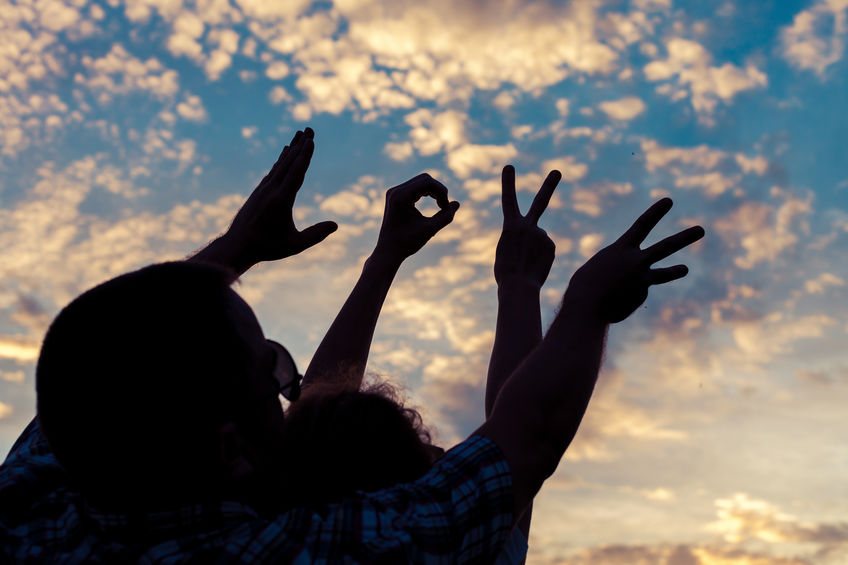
459,512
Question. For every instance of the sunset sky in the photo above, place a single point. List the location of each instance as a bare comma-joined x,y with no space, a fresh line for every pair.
131,133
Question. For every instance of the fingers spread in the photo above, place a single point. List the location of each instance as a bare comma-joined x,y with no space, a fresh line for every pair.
646,222
509,201
543,197
673,243
667,274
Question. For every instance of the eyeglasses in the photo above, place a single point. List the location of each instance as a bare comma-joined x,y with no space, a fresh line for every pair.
285,372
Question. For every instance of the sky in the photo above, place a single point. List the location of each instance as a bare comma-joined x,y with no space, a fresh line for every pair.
131,132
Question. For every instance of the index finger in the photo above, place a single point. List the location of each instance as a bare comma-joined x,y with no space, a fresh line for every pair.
673,243
425,185
509,202
646,222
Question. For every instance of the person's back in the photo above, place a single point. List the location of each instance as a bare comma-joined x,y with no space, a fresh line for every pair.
341,442
45,520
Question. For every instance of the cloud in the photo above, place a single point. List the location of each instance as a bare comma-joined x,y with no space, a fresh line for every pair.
752,531
270,11
504,100
29,118
569,167
713,170
590,243
757,164
673,554
13,376
18,348
472,158
762,231
689,65
614,420
819,284
371,58
119,73
775,335
431,132
529,45
589,200
450,270
221,58
278,94
657,156
399,151
623,109
277,70
346,203
191,108
713,183
816,38
54,250
741,517
364,199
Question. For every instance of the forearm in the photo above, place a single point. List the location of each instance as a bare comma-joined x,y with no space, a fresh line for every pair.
561,380
517,333
343,353
542,404
223,252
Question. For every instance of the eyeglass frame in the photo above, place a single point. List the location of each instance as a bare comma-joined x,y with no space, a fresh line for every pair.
282,355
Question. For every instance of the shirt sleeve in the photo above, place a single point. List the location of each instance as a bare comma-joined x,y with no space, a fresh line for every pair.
459,512
515,549
27,442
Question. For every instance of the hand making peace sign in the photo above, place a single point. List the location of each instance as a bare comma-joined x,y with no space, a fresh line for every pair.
525,253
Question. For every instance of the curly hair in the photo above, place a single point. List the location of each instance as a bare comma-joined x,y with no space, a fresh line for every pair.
338,442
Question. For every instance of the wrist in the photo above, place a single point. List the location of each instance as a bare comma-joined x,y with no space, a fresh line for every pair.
384,259
582,302
515,284
225,252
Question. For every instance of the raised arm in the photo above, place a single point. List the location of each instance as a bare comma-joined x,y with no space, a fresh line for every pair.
341,357
542,403
523,260
263,229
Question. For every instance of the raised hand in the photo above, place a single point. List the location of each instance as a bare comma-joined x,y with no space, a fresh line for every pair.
615,281
524,249
405,230
263,229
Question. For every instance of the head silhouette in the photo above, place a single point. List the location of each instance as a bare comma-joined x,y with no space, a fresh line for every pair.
341,442
155,389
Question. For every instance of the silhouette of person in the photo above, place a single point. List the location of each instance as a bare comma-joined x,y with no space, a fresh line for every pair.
158,434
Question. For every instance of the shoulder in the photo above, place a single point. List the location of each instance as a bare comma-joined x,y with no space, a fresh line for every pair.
460,511
29,459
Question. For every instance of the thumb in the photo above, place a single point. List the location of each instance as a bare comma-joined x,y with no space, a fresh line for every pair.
444,216
314,235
